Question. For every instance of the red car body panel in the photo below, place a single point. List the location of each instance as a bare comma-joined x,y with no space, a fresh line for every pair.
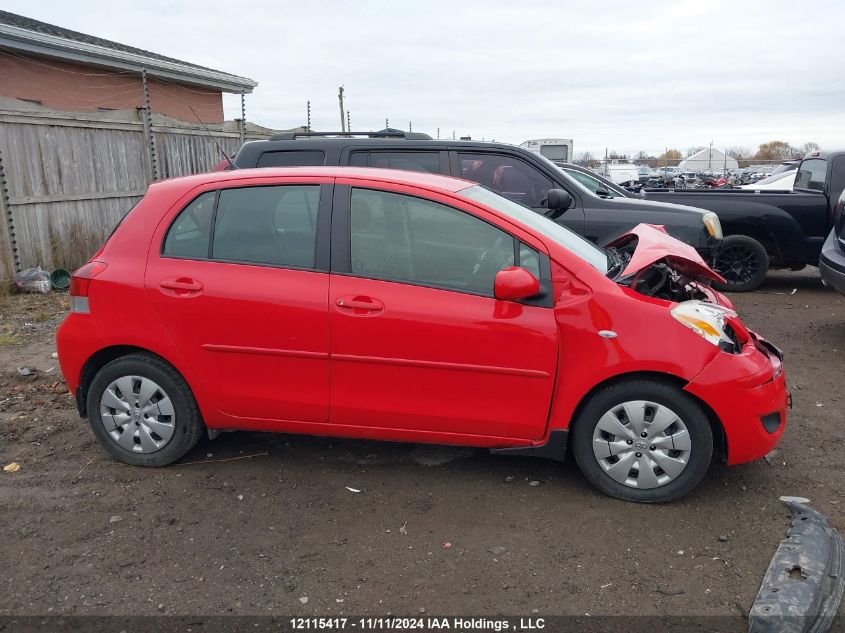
393,366
384,360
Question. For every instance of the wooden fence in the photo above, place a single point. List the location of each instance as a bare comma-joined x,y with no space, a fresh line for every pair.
66,179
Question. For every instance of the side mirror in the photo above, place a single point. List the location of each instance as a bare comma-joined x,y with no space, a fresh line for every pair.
602,193
559,200
515,283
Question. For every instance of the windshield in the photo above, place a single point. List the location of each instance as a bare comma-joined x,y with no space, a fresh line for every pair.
594,183
542,225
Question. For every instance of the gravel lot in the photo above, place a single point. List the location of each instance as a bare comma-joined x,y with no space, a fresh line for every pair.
254,523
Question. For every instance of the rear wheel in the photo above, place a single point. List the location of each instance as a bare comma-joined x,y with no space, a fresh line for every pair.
643,440
742,261
143,412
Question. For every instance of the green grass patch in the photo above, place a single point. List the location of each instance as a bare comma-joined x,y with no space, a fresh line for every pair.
8,338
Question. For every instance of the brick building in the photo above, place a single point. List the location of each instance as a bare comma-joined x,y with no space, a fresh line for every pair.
66,70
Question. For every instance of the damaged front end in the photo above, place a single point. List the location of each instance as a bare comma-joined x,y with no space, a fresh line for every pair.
652,262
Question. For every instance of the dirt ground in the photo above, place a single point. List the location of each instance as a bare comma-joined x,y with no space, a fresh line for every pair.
448,531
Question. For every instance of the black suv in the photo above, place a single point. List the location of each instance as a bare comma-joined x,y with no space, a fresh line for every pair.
510,171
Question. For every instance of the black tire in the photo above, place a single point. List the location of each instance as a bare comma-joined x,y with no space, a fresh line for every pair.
743,261
652,391
188,424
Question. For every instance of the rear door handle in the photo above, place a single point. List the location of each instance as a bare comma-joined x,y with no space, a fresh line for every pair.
181,285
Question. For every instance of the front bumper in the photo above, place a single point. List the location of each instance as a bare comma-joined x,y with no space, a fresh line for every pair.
832,263
747,392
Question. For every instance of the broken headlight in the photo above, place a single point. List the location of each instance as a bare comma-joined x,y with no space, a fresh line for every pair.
707,320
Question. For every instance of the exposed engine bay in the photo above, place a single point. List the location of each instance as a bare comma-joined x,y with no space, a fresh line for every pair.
653,263
662,281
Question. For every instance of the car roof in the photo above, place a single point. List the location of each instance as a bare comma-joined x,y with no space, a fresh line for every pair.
250,151
396,176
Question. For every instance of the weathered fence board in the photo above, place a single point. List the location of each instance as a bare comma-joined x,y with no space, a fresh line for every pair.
71,177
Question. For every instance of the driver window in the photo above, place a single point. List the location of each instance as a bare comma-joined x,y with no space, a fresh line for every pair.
407,239
507,176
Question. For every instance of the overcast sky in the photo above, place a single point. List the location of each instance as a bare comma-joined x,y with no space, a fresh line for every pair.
627,75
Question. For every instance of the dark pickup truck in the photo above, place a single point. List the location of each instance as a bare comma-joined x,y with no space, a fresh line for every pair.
778,229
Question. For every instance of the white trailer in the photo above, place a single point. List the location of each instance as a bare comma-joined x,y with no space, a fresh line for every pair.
558,150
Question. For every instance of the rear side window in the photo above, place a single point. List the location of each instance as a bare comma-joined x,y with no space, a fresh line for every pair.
292,158
189,234
811,174
267,225
507,176
411,161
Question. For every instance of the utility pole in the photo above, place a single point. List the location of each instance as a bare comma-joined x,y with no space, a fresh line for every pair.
148,129
308,110
410,126
342,115
243,118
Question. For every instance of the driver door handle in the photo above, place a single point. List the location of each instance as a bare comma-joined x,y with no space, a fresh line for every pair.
359,305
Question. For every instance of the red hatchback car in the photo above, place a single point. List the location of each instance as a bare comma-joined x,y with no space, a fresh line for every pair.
412,307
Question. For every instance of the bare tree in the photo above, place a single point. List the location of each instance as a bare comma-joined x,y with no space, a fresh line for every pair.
741,154
584,158
808,147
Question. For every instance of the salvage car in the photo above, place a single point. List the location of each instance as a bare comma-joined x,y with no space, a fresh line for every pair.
514,172
404,306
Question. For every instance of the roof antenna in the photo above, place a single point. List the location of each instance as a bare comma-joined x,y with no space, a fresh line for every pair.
214,140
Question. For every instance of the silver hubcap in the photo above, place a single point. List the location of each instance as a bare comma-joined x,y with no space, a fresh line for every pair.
137,414
641,444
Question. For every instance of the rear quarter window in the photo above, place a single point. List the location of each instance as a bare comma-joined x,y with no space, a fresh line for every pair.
189,234
410,161
292,158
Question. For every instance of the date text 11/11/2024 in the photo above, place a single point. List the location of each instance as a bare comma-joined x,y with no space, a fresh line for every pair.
432,623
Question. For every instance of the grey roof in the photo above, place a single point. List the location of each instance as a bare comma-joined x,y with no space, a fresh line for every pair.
52,31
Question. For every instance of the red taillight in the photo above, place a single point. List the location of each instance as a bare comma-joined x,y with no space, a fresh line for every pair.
81,279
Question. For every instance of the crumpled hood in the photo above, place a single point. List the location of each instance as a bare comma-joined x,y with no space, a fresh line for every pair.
654,244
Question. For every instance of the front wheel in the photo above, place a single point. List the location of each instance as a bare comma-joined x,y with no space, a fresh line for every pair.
742,261
643,440
143,412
